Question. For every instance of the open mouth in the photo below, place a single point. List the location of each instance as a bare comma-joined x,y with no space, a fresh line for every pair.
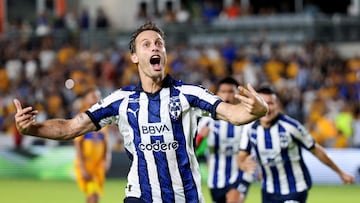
155,60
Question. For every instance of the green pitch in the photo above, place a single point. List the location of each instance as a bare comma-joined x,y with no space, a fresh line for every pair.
57,191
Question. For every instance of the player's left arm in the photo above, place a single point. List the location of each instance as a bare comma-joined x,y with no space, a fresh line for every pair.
246,162
250,107
320,153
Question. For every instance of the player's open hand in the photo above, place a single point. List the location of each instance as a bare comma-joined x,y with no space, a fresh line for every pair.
253,103
24,117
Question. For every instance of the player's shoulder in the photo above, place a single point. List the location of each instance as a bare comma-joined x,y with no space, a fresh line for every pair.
290,121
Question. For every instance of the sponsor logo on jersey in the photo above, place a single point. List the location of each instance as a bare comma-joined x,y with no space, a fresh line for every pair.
154,129
159,146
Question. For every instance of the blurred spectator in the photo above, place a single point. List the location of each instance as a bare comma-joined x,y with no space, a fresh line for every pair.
59,22
4,80
344,120
355,139
84,19
228,52
101,20
275,69
31,66
47,54
43,25
143,13
183,15
233,10
210,11
169,15
13,65
71,22
310,8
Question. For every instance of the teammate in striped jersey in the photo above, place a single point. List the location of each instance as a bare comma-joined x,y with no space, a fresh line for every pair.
277,140
158,120
226,182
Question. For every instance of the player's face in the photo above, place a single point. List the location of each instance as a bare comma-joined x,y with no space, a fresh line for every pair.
227,92
273,111
150,54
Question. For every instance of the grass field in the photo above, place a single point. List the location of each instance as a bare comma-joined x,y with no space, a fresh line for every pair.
56,191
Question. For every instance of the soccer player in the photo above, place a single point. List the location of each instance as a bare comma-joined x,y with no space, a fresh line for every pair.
227,183
277,141
158,120
92,155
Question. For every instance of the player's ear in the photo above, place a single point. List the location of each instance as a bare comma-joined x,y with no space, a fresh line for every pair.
134,58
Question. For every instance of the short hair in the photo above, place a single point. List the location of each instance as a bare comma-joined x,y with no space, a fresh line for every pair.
266,89
146,26
227,80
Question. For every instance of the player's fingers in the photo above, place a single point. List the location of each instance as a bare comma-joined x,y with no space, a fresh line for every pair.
27,123
17,105
243,91
250,88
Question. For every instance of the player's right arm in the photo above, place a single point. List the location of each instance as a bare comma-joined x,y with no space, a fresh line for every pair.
56,129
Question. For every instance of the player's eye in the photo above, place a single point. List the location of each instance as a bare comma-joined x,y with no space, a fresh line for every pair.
159,43
146,44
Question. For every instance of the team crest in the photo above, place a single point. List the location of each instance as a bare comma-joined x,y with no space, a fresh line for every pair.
175,108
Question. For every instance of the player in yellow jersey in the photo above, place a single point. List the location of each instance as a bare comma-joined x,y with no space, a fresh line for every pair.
92,157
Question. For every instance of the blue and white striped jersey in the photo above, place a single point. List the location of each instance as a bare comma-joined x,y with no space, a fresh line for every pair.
223,146
278,150
159,131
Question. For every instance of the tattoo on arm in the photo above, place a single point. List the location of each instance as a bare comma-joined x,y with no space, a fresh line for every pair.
80,118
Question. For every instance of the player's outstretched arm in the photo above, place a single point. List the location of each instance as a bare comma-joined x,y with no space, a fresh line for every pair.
320,153
56,129
250,107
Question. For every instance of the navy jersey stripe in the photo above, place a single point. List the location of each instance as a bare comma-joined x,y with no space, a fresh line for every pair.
191,194
229,134
230,130
287,164
167,193
268,140
216,149
306,173
154,109
216,169
111,110
275,175
228,167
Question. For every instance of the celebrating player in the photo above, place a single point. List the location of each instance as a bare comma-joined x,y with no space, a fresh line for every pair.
226,182
157,119
277,140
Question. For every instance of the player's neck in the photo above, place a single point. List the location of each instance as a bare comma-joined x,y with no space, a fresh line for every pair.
151,85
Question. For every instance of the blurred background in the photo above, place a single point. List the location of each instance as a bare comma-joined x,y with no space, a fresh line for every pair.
52,51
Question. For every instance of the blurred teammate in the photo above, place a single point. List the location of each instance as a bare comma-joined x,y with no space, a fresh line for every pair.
226,182
277,140
92,155
158,120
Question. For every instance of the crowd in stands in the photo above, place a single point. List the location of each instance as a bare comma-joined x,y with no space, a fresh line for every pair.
317,85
